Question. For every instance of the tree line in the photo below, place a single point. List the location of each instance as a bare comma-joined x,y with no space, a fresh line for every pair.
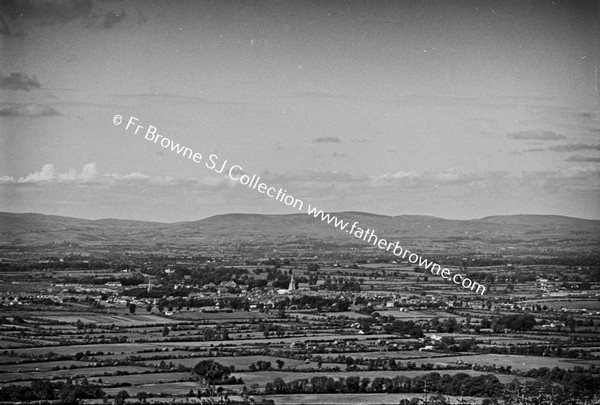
486,385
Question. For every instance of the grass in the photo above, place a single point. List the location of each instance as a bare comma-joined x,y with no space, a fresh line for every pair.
43,366
85,371
154,378
398,355
118,320
169,388
219,316
109,347
523,363
240,363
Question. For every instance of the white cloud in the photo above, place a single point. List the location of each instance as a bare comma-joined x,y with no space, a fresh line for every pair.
163,181
136,176
46,174
454,174
70,175
89,171
396,176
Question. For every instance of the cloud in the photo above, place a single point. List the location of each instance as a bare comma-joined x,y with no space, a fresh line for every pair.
90,175
579,158
19,81
28,110
89,171
396,176
392,193
312,176
536,135
46,174
136,176
327,139
454,174
164,181
434,179
573,147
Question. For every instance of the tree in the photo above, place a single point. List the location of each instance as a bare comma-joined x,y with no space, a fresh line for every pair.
18,320
210,372
132,308
225,334
438,399
280,363
515,322
42,389
142,396
121,397
279,386
166,330
353,384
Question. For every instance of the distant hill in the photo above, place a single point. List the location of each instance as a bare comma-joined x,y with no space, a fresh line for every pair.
542,234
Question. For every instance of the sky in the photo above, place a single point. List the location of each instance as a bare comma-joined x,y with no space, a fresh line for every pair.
455,109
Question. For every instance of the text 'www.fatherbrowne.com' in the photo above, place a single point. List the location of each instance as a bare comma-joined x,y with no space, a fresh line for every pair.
236,173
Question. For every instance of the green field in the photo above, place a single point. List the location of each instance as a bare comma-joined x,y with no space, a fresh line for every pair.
240,362
523,363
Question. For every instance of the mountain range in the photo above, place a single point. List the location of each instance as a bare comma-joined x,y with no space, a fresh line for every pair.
524,234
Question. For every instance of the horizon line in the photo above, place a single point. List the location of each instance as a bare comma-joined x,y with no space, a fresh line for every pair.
299,214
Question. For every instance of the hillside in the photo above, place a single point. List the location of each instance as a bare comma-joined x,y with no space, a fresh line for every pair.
518,233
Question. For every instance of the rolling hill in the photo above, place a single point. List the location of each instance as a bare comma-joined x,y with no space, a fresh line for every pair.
533,234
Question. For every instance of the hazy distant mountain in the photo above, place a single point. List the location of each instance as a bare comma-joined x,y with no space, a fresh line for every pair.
537,233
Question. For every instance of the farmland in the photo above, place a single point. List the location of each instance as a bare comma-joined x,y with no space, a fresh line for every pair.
102,323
